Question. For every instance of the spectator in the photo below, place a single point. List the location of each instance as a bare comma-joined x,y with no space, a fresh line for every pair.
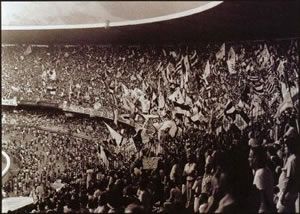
263,178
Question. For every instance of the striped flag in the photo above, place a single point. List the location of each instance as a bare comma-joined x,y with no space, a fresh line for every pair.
186,70
229,108
178,66
194,59
230,111
258,88
270,85
253,78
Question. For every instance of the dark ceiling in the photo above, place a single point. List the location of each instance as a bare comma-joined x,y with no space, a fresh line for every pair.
231,20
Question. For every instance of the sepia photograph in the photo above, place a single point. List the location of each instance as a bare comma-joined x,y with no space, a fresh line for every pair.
150,107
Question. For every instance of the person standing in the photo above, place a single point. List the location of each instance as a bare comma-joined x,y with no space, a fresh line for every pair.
189,173
263,178
289,182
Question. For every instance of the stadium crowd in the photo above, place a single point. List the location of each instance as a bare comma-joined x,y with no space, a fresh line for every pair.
224,127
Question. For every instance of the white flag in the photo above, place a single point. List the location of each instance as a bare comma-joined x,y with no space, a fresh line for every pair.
28,51
115,135
221,53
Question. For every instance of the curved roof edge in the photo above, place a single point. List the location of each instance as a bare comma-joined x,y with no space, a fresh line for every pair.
120,23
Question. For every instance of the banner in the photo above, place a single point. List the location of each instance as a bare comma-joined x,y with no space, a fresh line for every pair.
150,163
48,104
77,109
54,129
81,135
9,102
15,203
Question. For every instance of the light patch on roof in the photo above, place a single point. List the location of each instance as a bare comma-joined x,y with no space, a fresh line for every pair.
50,15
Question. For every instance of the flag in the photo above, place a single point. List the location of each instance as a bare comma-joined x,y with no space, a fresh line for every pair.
280,68
253,78
161,100
270,84
164,75
145,104
138,142
231,61
289,97
170,124
186,63
240,122
102,155
219,130
231,53
187,70
194,59
154,97
116,115
170,69
115,135
206,72
256,108
244,116
221,53
126,90
28,51
265,55
178,67
177,96
159,67
229,108
145,86
226,124
231,66
258,88
274,98
173,54
128,104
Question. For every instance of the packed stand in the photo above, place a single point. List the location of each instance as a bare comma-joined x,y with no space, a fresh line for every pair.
224,126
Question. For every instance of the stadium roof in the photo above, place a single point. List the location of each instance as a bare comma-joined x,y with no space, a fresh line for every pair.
146,22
